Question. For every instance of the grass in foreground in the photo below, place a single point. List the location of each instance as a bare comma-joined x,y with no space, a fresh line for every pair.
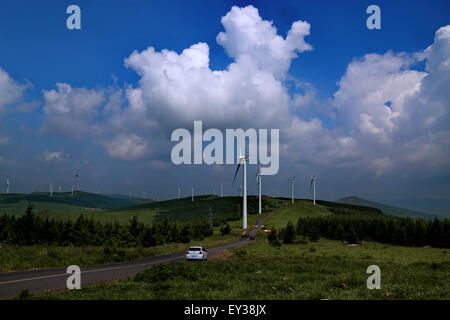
323,270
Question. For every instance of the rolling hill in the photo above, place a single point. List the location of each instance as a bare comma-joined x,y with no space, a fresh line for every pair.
185,209
390,210
16,203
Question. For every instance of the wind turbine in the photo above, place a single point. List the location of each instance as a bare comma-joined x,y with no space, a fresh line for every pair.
7,185
313,184
192,194
221,190
179,193
291,181
258,177
243,159
51,190
72,189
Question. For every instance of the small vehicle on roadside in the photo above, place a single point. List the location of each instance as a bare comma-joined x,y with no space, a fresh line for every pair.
197,253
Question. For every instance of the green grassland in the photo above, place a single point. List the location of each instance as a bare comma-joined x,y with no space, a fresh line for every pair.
318,270
322,270
300,208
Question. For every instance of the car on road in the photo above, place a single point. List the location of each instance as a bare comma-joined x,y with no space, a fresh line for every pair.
197,253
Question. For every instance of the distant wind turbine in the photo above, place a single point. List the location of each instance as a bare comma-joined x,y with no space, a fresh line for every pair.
51,190
313,184
221,190
291,181
192,194
7,185
243,159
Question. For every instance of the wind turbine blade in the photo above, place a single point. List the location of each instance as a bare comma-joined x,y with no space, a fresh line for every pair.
237,170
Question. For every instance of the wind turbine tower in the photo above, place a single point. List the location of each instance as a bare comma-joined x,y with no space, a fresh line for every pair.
221,190
179,193
192,194
313,184
291,181
7,185
243,159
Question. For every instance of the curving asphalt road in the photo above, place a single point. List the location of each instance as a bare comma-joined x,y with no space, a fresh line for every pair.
11,284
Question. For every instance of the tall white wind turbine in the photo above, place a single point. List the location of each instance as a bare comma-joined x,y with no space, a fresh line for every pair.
313,184
243,159
258,177
291,181
179,193
51,190
7,185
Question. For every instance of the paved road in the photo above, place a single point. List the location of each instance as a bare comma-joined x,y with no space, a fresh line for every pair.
11,284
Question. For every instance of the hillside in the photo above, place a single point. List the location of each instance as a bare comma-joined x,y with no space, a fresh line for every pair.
185,209
16,203
394,211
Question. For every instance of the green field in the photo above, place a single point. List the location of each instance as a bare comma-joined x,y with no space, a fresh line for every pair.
302,208
317,270
322,270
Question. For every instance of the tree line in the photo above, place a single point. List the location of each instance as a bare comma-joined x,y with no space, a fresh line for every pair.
30,229
383,229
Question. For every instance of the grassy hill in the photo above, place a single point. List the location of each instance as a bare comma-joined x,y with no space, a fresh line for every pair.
185,209
394,211
15,204
110,209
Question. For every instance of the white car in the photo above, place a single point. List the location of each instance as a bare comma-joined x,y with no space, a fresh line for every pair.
197,253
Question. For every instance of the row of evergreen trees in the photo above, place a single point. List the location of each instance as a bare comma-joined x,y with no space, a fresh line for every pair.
384,229
30,229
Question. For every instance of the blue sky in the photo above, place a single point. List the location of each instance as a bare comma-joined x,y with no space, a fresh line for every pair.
38,49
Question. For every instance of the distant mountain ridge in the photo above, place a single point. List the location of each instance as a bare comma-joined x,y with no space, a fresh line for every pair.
390,210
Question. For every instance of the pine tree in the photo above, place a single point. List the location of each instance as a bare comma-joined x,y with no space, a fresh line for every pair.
289,233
